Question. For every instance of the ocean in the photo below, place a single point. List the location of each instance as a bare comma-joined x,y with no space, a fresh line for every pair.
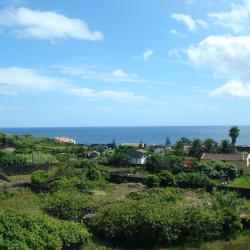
149,135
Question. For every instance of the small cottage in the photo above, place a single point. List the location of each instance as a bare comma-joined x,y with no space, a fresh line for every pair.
241,160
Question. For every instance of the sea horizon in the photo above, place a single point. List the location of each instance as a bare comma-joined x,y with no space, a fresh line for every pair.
129,134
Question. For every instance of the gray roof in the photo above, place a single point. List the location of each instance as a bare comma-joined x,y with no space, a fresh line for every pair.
223,157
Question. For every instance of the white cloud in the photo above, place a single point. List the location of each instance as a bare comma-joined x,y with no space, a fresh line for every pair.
22,79
119,73
147,54
237,19
117,96
25,22
192,24
186,19
90,72
175,32
228,56
234,88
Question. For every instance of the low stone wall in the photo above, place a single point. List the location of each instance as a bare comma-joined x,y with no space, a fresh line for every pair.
245,192
33,187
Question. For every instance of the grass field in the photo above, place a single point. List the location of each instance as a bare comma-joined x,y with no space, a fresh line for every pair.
243,181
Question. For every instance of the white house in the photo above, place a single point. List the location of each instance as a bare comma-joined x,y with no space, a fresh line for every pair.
138,157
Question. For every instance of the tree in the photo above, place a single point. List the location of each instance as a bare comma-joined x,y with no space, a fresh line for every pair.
174,164
234,132
226,147
155,163
167,142
120,160
197,148
185,141
209,145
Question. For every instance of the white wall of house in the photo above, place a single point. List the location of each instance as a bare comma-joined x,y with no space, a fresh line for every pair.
248,160
138,161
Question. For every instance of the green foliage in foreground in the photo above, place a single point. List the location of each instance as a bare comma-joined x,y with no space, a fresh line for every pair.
71,206
24,232
39,177
143,224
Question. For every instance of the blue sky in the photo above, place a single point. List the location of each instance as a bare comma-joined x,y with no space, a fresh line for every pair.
121,63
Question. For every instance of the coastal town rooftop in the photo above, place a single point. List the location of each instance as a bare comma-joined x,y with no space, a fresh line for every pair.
65,139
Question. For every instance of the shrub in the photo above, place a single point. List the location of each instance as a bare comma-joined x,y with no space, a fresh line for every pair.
231,222
8,160
150,224
155,163
39,177
196,179
201,225
63,183
174,164
19,231
152,181
120,160
217,169
222,200
93,174
70,206
166,178
137,223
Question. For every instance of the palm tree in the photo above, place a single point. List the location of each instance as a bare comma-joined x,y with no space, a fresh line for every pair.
197,149
226,147
234,132
209,145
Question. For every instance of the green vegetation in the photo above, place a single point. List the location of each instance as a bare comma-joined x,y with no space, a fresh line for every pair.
169,207
216,169
242,181
143,223
19,231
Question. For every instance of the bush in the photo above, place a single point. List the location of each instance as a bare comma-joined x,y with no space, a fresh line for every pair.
137,223
63,183
222,200
150,224
195,179
8,160
19,231
152,181
70,206
166,178
155,163
120,160
174,164
39,177
217,169
93,174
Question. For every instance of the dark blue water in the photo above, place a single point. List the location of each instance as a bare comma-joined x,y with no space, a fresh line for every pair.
149,135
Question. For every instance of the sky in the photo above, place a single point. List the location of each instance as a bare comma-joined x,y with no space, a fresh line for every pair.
124,63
